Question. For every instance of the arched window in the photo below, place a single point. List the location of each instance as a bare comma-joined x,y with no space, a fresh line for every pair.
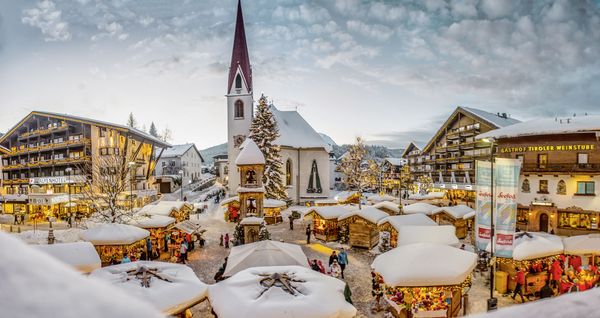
314,182
239,109
288,172
525,186
238,82
561,187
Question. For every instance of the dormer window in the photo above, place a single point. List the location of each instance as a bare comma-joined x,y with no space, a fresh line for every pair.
238,111
238,82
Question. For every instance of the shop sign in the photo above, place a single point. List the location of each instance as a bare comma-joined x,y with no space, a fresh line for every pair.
547,148
56,180
48,200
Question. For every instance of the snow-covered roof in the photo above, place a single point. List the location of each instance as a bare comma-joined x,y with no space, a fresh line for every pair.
35,284
457,211
539,245
250,154
182,291
443,234
179,150
175,204
344,195
380,198
387,205
546,126
420,207
582,244
328,140
370,214
273,203
246,189
114,234
252,220
427,196
398,221
163,210
326,201
81,255
328,212
491,118
148,221
229,200
469,215
41,237
424,264
295,132
264,253
317,295
395,161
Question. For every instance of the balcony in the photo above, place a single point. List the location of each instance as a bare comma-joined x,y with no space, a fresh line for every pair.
46,163
453,147
453,135
467,145
52,146
593,168
452,160
440,149
44,131
438,160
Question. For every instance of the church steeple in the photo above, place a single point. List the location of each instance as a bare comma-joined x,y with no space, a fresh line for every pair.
239,57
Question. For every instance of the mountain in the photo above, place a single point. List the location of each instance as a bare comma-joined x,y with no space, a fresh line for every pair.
374,151
210,152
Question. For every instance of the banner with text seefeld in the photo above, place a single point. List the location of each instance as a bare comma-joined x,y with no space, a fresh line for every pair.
506,180
483,218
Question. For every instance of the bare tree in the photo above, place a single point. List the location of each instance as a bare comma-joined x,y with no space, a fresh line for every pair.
166,135
107,180
355,174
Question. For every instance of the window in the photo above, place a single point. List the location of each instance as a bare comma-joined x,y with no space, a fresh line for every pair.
585,188
582,158
314,182
238,82
520,158
525,187
288,172
542,161
575,220
238,109
522,215
561,188
543,186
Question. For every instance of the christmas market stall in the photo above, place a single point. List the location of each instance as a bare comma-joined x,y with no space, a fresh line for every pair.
171,288
439,234
424,279
583,258
280,291
264,253
80,255
390,208
454,215
359,227
347,197
325,221
158,225
326,202
176,209
378,198
113,240
394,224
420,208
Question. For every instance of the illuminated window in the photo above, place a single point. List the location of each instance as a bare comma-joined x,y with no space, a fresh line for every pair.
525,187
575,220
288,172
543,186
561,188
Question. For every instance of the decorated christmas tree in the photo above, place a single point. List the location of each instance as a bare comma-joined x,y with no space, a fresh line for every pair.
264,131
238,234
356,175
344,234
263,233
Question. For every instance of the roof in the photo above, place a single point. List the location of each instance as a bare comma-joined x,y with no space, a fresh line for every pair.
381,198
114,234
180,150
539,245
546,126
442,234
131,130
370,214
398,221
148,221
264,253
252,220
411,146
420,207
387,205
81,255
328,212
328,140
250,154
456,211
582,244
295,132
239,55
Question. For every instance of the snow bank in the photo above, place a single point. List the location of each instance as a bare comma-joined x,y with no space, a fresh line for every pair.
398,221
81,255
457,211
264,253
387,205
114,234
182,291
370,214
250,154
424,264
582,244
35,284
420,207
329,212
443,234
317,295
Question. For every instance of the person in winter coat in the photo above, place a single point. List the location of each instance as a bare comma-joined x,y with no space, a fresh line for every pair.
291,218
308,234
556,273
221,240
125,259
321,267
343,260
332,257
148,249
183,253
546,291
335,270
520,280
315,266
226,240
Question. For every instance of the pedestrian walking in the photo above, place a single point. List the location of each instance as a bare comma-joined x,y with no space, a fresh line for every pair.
343,260
183,252
308,234
221,240
332,257
226,239
291,222
520,280
148,249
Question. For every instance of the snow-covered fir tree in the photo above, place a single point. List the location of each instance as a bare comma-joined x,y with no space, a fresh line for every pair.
131,121
263,233
264,131
153,131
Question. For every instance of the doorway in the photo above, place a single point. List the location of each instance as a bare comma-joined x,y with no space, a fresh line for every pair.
544,222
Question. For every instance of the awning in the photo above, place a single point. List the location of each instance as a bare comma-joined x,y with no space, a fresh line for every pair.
188,226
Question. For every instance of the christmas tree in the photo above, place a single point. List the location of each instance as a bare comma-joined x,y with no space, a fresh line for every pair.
263,233
344,234
153,131
238,234
264,131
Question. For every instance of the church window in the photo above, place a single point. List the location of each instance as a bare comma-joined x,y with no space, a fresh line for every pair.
239,109
314,182
238,82
288,172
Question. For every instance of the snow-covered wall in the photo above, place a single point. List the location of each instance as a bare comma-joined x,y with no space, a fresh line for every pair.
301,172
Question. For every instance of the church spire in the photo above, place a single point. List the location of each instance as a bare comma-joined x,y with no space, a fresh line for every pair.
240,57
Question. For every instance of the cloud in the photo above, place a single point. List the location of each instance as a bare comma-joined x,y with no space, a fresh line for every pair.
374,31
48,19
305,13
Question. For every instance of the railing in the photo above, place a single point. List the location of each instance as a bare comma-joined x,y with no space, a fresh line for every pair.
50,146
561,167
45,163
43,131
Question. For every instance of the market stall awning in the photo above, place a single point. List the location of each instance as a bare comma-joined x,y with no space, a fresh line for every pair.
188,226
114,234
259,292
582,244
264,253
424,265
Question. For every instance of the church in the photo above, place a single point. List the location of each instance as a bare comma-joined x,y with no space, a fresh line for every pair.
307,164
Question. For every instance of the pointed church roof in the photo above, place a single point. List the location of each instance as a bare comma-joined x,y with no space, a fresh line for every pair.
250,154
240,52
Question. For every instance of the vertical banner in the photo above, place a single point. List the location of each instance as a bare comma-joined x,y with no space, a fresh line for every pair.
483,218
506,179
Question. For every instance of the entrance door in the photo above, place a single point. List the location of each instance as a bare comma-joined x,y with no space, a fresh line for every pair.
544,222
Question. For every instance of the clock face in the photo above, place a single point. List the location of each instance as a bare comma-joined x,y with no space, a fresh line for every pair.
238,140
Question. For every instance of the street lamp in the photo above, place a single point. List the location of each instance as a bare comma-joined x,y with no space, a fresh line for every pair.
492,303
69,170
181,173
131,165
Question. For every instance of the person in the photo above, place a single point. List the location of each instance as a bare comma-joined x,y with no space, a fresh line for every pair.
182,253
321,267
520,280
185,198
343,260
308,234
148,249
125,259
546,291
332,257
226,240
335,270
462,247
291,218
201,240
188,239
315,266
556,273
221,240
113,260
348,294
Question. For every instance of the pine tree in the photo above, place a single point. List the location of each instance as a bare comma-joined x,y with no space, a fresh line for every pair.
131,122
238,234
153,131
263,233
264,131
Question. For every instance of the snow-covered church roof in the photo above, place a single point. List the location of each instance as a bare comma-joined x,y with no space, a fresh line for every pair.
250,154
296,132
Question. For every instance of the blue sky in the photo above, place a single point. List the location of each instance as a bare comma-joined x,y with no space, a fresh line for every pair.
389,71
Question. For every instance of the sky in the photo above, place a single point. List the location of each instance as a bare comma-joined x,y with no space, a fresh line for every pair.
388,71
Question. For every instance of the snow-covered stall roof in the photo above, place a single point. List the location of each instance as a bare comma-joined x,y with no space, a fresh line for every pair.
252,220
582,244
370,214
427,196
81,255
424,264
328,212
246,189
41,237
114,234
296,132
35,284
178,289
442,234
149,221
344,195
326,201
381,198
398,221
420,207
250,154
264,253
546,126
229,200
267,203
315,295
456,211
178,205
469,215
387,205
539,245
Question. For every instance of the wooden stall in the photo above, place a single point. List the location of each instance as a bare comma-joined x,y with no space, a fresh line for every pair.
325,221
362,226
158,226
453,215
393,224
113,240
390,208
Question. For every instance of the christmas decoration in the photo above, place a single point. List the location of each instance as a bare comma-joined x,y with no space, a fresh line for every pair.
344,234
356,176
238,234
263,233
384,244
